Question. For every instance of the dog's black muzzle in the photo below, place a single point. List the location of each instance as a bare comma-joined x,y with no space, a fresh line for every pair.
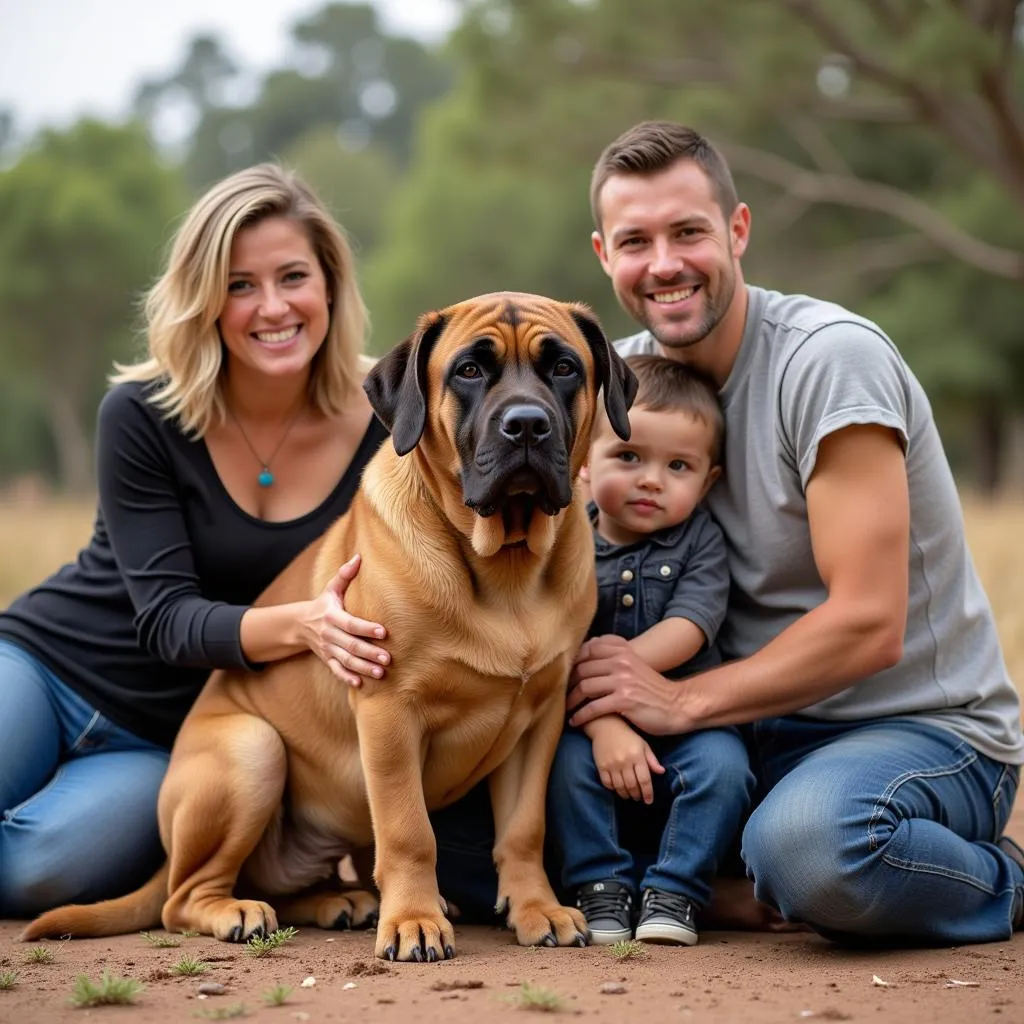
522,457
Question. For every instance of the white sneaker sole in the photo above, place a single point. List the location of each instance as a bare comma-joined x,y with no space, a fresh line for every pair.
603,937
663,933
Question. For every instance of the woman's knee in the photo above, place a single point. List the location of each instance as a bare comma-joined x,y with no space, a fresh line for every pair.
90,834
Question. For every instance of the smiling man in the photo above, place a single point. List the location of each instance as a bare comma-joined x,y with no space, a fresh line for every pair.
861,656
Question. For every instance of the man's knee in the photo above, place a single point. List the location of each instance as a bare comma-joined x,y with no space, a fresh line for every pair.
805,858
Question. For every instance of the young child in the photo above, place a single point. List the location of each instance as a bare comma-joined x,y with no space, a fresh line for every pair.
663,585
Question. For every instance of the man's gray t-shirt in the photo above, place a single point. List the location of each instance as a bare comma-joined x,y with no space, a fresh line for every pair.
805,369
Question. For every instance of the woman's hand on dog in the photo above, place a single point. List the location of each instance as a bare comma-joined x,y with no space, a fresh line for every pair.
336,637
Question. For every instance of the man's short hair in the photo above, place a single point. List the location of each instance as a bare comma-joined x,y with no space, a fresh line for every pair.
665,385
653,146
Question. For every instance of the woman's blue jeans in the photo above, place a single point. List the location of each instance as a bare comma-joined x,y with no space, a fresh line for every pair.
881,831
77,795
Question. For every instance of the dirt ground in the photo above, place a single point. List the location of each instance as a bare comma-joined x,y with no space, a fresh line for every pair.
748,978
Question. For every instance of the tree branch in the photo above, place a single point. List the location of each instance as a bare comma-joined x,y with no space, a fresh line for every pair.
819,187
944,111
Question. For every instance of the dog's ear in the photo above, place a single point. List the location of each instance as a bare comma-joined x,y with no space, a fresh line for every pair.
397,384
613,375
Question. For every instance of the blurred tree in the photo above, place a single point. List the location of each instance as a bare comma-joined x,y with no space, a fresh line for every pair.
348,76
358,185
172,107
85,213
6,133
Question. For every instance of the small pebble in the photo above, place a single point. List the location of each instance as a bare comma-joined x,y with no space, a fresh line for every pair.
308,982
212,988
613,988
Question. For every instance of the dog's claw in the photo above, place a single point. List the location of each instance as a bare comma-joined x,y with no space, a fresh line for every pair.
581,939
235,935
449,953
343,921
390,953
431,955
416,955
549,940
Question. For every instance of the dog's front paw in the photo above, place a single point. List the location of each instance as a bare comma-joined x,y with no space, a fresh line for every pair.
414,935
544,922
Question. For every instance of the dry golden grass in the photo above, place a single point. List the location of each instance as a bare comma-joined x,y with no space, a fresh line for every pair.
38,536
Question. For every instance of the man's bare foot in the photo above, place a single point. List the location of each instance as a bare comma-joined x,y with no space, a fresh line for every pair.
733,907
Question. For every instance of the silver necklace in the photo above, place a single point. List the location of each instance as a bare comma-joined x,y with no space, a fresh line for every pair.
266,477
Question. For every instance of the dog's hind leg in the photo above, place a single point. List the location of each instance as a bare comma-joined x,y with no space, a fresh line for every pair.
221,791
330,909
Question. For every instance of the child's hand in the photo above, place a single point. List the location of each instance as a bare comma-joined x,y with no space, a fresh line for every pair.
624,760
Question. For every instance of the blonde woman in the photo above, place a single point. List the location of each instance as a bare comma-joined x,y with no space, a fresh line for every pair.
220,456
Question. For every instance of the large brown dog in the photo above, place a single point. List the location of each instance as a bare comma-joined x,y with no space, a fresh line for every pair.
480,562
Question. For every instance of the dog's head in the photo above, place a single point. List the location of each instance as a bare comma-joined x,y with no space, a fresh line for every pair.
499,394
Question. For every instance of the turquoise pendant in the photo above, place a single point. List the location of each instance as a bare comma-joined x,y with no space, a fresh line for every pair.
266,478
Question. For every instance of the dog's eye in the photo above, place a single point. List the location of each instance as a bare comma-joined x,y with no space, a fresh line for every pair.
563,368
468,371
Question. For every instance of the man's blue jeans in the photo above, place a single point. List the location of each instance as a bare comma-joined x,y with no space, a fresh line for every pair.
881,831
675,844
77,795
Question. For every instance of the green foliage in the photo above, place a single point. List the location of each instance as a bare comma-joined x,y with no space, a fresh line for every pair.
259,946
8,979
537,998
628,949
357,185
277,995
85,213
351,78
160,941
109,991
189,966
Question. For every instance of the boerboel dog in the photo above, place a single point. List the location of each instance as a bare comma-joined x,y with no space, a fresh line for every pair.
479,559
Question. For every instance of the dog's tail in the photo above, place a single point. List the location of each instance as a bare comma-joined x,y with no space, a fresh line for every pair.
134,912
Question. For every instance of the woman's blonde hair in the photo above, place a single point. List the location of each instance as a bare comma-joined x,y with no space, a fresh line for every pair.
185,353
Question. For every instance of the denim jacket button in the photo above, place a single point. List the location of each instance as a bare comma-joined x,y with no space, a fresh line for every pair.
627,576
666,570
627,600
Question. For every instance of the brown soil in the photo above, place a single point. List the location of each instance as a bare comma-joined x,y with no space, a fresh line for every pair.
750,978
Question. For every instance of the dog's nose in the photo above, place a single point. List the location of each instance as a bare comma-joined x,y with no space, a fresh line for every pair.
525,424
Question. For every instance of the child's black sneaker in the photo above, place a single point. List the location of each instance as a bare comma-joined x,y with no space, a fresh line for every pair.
667,918
608,908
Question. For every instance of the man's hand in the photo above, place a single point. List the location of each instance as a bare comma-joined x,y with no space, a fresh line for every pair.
624,760
610,678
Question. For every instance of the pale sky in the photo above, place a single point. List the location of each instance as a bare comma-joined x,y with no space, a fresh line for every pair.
60,59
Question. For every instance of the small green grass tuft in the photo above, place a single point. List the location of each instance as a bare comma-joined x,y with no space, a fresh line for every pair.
258,946
160,941
189,934
277,995
537,998
8,979
223,1012
40,955
628,949
189,965
109,991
